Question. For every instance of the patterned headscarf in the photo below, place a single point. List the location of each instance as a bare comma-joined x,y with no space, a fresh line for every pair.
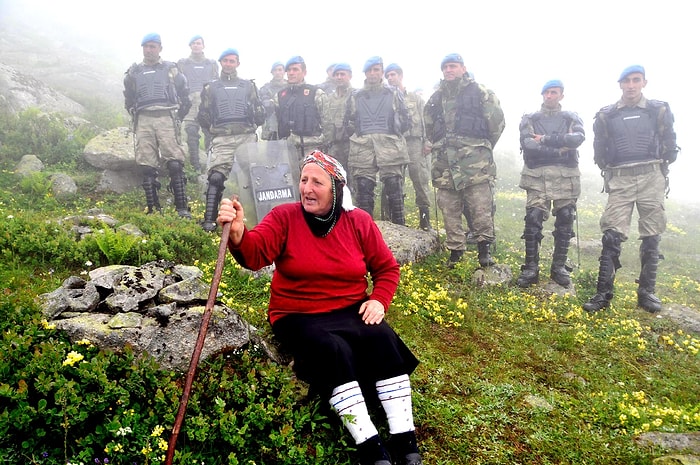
335,170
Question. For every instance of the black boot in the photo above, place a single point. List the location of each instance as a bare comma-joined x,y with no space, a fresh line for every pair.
373,452
563,232
424,217
530,271
455,257
649,255
150,186
215,190
177,187
364,195
485,259
393,186
609,264
404,449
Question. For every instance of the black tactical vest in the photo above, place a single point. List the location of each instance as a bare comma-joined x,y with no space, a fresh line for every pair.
469,120
154,86
197,73
230,102
551,124
632,133
297,111
374,112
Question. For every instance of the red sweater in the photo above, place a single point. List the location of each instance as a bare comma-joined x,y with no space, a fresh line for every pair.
319,274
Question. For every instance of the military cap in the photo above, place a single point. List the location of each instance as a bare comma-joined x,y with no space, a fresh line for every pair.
342,67
392,67
275,65
552,83
631,69
152,37
197,37
228,51
452,58
371,62
296,60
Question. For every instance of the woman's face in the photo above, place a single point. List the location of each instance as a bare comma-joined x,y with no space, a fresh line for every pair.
316,190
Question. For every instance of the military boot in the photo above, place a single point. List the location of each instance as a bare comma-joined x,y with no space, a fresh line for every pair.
563,232
530,271
609,264
151,186
455,257
424,218
393,186
484,250
177,187
215,190
364,195
649,255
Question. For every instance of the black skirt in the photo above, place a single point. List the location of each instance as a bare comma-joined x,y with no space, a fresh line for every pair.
334,348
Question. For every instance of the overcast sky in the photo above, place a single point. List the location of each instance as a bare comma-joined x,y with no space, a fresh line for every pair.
512,47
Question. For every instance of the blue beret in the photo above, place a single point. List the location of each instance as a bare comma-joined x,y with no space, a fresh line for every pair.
371,62
228,51
275,65
152,37
452,58
631,69
296,60
552,83
342,67
197,37
392,67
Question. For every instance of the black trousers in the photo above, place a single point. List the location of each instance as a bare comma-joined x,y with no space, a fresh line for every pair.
334,348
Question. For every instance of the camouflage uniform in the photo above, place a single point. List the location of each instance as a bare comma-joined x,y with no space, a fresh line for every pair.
267,96
381,151
463,168
339,141
552,180
198,70
419,163
229,132
633,146
157,97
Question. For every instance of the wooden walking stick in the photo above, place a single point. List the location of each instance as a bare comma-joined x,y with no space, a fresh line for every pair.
200,342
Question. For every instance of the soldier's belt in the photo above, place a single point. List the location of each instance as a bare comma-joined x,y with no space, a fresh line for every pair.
156,112
635,170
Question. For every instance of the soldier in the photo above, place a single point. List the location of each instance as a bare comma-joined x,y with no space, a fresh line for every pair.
376,119
232,111
156,96
549,139
337,101
463,122
634,144
198,70
419,162
302,111
267,96
328,86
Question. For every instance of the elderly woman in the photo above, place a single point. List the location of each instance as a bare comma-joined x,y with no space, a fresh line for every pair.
320,309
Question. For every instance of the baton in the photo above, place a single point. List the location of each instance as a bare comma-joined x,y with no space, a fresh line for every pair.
200,342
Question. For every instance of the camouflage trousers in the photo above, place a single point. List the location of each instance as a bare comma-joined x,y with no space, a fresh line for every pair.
419,171
550,188
384,154
629,187
156,139
478,200
222,153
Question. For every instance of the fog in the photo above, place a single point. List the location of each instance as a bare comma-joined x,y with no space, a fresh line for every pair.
512,47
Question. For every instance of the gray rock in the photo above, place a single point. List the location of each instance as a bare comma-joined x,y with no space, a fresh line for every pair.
112,150
63,186
28,165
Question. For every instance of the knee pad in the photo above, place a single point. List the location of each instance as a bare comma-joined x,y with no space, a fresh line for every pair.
565,216
534,216
174,167
217,179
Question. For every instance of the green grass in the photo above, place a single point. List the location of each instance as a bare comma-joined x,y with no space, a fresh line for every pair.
507,376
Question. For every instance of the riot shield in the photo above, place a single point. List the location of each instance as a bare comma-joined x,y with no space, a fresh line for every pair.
266,174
